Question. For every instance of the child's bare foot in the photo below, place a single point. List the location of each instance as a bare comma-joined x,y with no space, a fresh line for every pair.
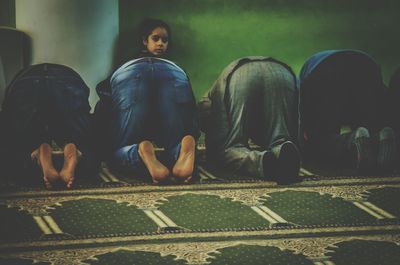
44,158
71,155
183,168
157,170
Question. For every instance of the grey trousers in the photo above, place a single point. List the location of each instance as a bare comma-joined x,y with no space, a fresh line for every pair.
261,105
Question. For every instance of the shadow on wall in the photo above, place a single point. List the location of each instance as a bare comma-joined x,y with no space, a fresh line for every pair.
126,47
207,34
15,54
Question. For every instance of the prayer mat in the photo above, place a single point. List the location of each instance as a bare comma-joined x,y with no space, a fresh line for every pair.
327,219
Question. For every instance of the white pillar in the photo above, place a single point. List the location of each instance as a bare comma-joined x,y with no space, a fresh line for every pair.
77,33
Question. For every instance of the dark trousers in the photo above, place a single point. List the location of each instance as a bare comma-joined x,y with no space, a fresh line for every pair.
46,103
393,102
344,90
261,104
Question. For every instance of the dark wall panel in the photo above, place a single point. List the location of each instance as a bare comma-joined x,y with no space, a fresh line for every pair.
7,13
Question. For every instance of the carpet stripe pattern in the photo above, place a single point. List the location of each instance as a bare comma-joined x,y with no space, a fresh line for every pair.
324,220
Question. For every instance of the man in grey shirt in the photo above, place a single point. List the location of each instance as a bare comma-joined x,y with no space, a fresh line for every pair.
255,98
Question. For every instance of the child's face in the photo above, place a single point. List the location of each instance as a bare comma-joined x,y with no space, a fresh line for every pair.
157,42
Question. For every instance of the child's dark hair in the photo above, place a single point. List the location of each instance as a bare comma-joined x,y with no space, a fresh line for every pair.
149,24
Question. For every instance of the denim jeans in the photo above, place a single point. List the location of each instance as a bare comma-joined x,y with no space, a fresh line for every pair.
45,103
151,99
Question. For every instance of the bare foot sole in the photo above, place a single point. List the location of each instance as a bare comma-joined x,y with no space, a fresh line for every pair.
44,158
183,168
158,171
71,159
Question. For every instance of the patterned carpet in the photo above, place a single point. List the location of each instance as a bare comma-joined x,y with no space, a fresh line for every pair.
221,219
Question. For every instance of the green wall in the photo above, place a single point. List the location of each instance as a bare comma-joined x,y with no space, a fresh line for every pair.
209,34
